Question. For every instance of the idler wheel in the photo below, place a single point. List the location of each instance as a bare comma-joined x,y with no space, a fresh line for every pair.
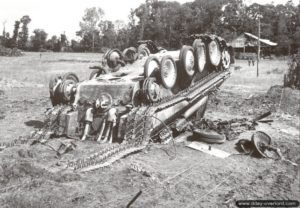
66,88
168,72
214,52
225,59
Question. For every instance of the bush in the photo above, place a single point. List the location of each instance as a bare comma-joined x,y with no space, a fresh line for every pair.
292,78
10,52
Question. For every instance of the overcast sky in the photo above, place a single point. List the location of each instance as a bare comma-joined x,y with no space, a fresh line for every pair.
58,16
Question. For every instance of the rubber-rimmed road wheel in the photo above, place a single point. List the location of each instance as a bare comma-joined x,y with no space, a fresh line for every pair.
143,51
187,60
214,52
168,72
151,67
200,54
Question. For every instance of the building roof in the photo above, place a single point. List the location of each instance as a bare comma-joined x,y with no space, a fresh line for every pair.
248,39
265,41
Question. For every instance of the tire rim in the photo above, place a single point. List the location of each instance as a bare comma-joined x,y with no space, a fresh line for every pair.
168,73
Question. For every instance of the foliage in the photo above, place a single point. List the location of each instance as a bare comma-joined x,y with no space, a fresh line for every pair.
169,23
38,40
90,26
23,35
13,41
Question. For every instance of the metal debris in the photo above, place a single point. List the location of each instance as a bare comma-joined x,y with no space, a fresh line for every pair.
208,149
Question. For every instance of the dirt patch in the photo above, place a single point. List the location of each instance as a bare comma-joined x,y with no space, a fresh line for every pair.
276,99
33,176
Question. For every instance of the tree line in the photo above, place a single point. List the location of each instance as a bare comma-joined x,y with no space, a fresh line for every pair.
169,24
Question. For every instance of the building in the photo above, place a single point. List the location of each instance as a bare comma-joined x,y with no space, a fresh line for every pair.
246,45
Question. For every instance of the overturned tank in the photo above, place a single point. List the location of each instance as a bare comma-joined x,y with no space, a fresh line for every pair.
136,96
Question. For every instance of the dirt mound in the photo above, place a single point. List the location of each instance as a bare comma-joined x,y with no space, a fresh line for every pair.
277,98
10,52
288,99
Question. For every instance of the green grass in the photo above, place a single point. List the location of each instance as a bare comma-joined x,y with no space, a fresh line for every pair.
35,69
31,68
245,79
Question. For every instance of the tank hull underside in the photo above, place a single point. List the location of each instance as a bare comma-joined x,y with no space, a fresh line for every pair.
145,100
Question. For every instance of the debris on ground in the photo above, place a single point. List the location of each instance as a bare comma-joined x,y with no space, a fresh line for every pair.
144,170
261,146
230,128
209,136
208,149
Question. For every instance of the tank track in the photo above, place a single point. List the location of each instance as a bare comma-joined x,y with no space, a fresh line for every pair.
139,126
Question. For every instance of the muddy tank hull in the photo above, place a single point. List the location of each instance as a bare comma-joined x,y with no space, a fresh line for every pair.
142,100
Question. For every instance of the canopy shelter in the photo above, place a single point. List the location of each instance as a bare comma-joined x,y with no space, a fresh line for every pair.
247,43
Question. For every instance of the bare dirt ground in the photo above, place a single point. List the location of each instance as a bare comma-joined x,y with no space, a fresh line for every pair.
33,176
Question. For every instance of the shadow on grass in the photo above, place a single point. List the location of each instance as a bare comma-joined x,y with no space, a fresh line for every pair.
34,123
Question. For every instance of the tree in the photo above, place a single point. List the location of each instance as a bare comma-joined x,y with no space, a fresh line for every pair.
53,44
23,35
89,26
13,43
108,33
39,39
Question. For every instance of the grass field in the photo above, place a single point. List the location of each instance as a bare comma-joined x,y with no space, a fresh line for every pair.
33,176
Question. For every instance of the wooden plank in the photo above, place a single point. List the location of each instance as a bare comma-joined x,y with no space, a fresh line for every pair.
208,149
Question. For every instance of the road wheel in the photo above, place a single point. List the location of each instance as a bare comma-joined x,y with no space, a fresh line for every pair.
168,72
186,66
151,67
214,52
